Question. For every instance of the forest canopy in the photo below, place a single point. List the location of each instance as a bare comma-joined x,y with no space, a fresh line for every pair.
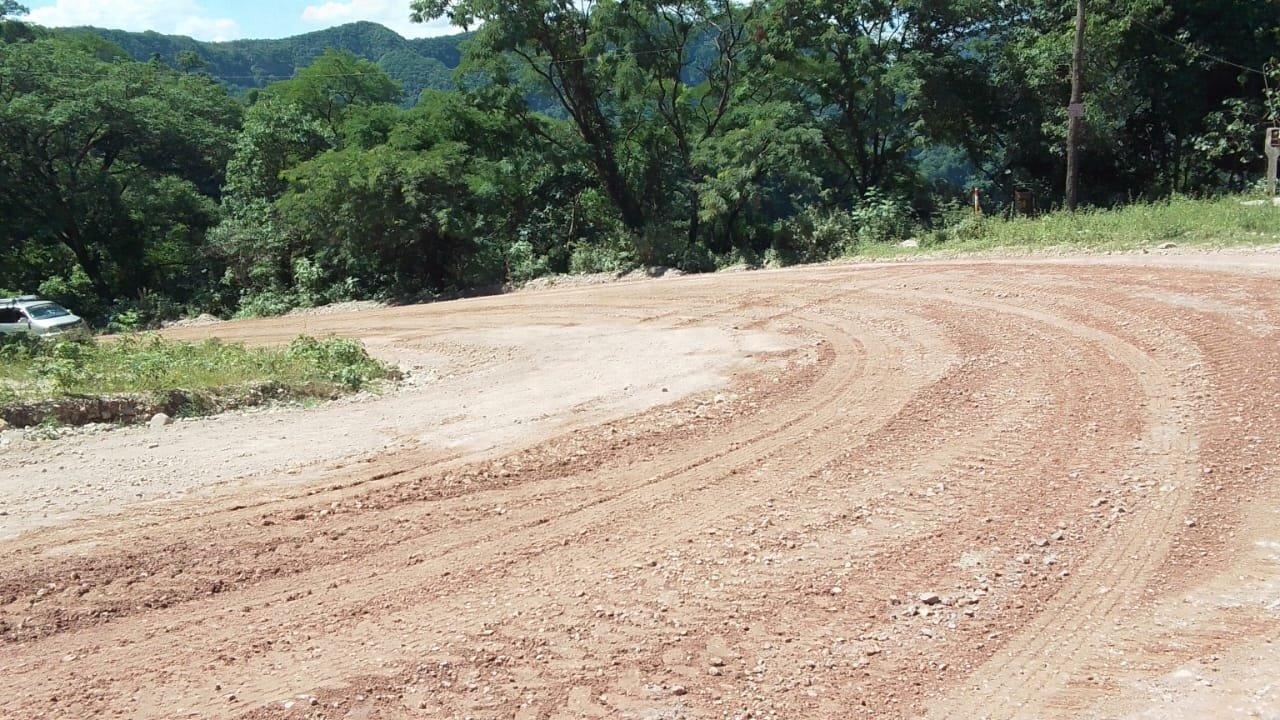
553,136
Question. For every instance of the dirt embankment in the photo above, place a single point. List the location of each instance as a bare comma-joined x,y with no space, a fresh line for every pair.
969,489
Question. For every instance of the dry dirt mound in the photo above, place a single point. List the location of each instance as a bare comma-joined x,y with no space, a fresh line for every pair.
970,489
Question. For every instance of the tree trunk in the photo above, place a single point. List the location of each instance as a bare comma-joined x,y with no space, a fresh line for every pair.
88,260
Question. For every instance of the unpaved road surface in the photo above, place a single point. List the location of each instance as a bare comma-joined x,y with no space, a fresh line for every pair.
1007,489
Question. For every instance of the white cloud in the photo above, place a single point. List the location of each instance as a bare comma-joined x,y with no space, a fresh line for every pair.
181,17
391,13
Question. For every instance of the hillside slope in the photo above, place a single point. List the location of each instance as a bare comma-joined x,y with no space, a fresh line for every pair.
243,64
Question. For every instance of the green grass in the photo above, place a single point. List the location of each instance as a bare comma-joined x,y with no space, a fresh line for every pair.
1186,222
33,370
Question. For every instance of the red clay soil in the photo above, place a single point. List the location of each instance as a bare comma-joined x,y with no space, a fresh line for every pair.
1012,489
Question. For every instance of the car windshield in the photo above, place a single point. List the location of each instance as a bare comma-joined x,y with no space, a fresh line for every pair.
44,311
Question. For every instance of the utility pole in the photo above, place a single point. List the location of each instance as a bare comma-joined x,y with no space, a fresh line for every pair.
1075,111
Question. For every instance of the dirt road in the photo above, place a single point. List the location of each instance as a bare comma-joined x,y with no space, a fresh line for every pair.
1006,489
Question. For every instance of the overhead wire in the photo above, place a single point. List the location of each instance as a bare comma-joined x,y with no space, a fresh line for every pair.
1269,97
1199,52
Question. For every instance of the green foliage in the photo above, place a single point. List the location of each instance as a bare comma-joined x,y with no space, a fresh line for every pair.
107,165
881,218
611,256
244,65
813,235
9,8
594,137
1183,221
523,263
34,369
73,291
332,84
340,360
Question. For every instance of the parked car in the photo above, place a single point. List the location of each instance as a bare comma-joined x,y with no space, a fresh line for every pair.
32,315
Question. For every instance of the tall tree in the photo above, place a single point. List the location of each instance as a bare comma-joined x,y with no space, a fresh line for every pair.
11,8
650,88
879,78
334,82
86,145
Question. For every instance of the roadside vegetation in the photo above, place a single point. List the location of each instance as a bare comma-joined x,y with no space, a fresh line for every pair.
1221,222
34,370
607,136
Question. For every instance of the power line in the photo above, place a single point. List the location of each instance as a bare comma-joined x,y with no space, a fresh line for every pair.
1197,51
1265,72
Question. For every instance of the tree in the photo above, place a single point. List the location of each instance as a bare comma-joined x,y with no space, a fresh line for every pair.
333,83
879,78
554,40
114,161
11,8
1169,108
648,87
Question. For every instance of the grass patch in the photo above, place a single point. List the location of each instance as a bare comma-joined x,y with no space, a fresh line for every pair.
37,370
1214,223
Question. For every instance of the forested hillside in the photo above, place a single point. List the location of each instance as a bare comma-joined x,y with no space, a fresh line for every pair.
243,64
694,135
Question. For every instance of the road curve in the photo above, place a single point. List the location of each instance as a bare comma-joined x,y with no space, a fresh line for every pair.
1006,489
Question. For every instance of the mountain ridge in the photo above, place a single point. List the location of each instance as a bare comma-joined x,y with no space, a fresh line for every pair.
247,64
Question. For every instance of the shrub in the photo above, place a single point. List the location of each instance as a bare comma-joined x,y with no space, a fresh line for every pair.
523,264
35,369
610,256
340,360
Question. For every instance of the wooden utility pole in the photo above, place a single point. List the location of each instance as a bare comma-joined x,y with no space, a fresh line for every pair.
1075,111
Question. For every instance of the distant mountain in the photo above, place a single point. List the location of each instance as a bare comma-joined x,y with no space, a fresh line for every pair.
245,64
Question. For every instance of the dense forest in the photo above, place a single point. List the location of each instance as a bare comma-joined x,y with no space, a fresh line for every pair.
243,65
588,136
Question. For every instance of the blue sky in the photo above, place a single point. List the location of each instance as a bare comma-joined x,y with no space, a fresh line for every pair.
229,19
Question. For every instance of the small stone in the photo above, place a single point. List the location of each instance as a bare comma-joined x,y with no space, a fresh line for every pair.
679,690
1056,536
930,598
1051,559
159,420
1168,246
836,590
716,662
713,670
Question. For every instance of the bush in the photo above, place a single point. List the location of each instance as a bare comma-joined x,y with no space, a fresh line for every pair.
74,291
813,235
611,256
523,264
881,218
37,369
266,303
340,360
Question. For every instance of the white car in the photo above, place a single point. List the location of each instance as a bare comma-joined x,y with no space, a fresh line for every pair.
34,316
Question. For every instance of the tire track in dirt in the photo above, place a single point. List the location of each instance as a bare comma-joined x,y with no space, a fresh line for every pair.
751,453
600,589
770,440
1067,631
615,691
